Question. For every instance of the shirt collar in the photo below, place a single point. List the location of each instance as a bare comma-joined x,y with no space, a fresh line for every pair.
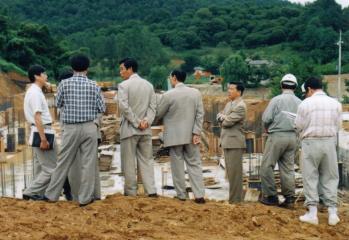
236,100
133,76
319,93
179,85
76,74
287,91
37,87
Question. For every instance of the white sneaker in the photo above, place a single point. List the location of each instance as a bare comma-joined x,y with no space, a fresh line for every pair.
307,218
333,219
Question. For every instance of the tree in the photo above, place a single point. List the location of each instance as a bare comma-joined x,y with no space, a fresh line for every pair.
158,77
235,69
210,63
190,62
140,44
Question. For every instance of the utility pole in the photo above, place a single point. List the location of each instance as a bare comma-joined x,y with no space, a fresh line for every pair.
340,42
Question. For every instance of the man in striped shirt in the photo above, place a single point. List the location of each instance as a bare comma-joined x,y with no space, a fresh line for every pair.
318,121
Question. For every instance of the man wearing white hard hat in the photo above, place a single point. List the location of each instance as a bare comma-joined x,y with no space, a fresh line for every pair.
281,145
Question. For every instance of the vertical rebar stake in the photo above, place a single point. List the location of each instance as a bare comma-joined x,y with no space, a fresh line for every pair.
12,165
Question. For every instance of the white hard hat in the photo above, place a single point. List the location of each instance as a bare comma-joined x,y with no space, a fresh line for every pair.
289,79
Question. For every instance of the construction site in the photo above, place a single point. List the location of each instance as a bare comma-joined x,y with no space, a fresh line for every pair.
120,217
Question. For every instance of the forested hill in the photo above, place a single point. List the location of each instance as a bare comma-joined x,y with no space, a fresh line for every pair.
156,31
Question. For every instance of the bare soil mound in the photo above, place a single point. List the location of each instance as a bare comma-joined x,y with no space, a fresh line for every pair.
119,217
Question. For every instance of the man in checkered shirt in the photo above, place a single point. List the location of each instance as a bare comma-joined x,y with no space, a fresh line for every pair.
80,100
318,121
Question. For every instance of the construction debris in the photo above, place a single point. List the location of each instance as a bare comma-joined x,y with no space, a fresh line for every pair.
110,129
105,157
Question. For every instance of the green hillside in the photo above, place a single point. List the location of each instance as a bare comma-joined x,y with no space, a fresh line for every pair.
200,32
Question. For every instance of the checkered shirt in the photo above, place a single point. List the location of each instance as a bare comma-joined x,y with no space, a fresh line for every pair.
79,99
319,116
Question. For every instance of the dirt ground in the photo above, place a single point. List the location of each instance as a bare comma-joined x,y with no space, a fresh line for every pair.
120,217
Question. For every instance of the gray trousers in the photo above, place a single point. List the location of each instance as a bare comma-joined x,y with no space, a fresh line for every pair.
190,155
76,138
74,177
320,171
44,165
280,148
137,152
233,167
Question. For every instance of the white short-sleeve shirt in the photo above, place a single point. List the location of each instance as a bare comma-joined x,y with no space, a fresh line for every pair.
35,101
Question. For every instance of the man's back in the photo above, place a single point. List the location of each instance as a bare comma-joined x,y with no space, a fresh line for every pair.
80,100
319,116
139,94
137,101
274,117
183,113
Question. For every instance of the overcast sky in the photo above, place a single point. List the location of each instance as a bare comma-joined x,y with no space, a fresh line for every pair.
344,3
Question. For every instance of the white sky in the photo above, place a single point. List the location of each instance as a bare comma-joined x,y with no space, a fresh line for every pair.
344,3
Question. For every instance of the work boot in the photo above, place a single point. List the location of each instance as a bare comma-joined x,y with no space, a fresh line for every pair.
288,203
333,218
270,200
310,216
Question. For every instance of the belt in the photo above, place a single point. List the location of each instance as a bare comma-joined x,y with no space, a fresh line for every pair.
48,124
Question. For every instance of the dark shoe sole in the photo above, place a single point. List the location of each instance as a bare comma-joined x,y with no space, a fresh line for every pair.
153,195
269,203
180,199
200,201
287,206
85,204
34,197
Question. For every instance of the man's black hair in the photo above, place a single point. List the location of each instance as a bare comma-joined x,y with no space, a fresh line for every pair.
80,63
35,70
239,86
65,74
313,83
180,75
287,86
130,63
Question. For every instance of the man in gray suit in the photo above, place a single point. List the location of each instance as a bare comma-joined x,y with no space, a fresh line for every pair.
182,111
137,104
233,139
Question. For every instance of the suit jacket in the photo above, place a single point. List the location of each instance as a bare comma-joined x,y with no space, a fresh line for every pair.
182,111
137,100
232,135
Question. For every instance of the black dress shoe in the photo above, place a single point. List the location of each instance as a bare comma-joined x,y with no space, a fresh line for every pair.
180,199
68,196
33,197
288,203
200,200
270,201
153,195
85,204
